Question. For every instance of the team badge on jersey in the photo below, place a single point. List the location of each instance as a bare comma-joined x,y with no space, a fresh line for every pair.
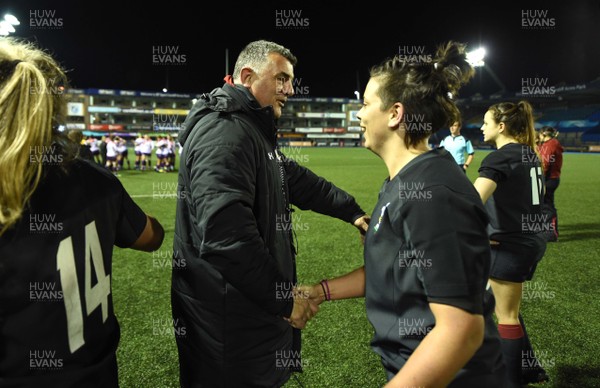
376,227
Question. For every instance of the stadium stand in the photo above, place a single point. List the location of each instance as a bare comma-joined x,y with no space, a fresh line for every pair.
574,110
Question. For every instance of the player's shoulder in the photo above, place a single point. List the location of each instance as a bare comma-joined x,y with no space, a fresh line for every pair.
90,171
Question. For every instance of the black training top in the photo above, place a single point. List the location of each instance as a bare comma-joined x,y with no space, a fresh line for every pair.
57,325
427,243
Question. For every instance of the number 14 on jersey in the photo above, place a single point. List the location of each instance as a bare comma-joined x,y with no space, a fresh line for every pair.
94,296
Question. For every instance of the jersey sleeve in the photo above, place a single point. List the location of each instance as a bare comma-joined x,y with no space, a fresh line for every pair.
469,147
455,245
494,167
131,223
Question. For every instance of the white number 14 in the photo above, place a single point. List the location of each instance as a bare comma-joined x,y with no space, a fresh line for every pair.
94,296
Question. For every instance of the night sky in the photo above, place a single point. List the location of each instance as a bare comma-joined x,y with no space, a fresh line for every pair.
111,44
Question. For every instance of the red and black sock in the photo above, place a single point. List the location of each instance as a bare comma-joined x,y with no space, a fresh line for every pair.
511,340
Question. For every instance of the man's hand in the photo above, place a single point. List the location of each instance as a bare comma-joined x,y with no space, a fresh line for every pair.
362,224
303,310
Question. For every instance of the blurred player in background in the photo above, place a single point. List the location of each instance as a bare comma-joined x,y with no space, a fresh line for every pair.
146,149
102,145
161,154
511,184
551,152
171,153
112,154
458,146
137,144
123,152
94,145
60,217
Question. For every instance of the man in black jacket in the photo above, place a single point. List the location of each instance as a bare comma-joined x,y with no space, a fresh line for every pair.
234,261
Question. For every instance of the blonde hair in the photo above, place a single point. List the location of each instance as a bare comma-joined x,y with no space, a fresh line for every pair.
31,102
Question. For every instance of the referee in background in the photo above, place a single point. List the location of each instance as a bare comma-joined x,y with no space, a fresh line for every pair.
458,146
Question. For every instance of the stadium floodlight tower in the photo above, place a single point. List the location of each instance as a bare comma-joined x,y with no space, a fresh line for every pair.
475,58
6,25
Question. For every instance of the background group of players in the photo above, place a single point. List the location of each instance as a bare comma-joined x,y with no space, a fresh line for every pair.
113,151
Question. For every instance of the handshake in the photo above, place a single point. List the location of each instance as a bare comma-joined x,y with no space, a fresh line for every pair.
306,304
308,298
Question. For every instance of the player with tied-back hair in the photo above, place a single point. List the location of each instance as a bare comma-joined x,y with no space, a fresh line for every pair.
511,184
60,217
427,253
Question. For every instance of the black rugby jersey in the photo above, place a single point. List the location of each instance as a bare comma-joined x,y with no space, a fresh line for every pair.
515,207
427,243
57,326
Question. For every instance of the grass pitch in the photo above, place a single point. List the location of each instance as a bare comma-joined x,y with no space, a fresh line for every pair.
561,308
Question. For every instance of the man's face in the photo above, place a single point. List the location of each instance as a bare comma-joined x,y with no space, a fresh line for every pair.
273,84
455,129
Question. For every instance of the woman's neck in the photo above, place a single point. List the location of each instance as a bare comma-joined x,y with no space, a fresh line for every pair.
396,158
501,142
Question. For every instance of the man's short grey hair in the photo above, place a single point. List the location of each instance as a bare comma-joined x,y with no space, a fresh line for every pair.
255,55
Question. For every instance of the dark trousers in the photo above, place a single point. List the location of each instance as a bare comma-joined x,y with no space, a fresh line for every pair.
549,208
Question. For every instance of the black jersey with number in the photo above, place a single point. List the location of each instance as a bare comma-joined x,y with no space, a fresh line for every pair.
427,243
57,325
515,207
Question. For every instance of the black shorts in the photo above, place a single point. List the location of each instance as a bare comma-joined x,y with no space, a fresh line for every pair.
470,379
515,262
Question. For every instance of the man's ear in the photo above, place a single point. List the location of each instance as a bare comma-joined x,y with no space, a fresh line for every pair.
246,76
396,115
